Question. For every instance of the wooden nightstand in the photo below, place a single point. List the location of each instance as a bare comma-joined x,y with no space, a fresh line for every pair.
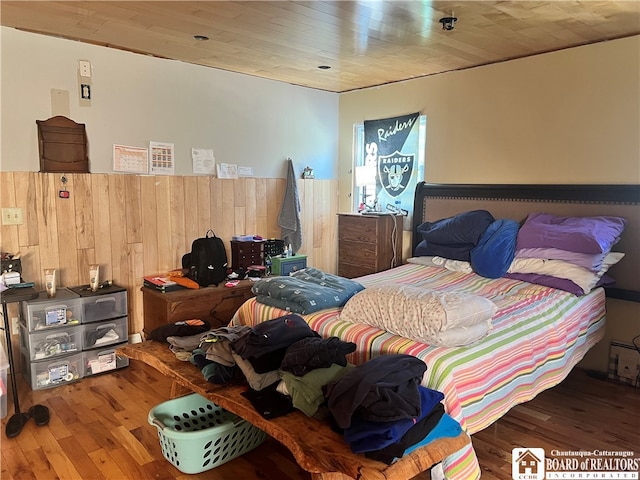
216,305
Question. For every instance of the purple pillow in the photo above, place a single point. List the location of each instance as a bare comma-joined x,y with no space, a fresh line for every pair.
576,234
555,282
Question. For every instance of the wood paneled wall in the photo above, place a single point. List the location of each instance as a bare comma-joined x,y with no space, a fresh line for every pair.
134,225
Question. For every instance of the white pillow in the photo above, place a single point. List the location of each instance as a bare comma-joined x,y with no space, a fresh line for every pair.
584,278
441,262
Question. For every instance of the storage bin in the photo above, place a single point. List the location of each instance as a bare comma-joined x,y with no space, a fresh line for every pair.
51,343
104,307
197,435
4,365
103,360
99,335
284,266
63,310
51,373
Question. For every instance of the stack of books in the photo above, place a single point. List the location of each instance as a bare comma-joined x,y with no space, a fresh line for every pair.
160,283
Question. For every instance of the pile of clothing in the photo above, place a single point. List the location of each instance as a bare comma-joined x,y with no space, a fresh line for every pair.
284,361
383,410
380,407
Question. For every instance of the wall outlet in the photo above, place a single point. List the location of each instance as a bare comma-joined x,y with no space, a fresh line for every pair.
624,363
628,365
12,216
84,66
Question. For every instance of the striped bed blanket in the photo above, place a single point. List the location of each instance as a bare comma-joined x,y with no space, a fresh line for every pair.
538,335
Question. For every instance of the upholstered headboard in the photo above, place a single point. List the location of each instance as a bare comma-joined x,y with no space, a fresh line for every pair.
435,201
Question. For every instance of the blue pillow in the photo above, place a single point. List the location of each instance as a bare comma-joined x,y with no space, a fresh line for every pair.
453,237
495,251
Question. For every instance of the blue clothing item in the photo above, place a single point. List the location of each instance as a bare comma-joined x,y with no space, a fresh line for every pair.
365,436
447,427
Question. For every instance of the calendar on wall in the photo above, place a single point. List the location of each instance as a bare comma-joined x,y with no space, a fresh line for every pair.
162,158
130,159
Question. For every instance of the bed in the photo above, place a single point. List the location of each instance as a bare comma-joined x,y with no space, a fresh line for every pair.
538,333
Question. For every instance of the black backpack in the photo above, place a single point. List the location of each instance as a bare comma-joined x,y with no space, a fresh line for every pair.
207,262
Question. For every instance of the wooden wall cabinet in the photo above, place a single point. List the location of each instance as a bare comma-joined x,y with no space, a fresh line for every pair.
368,243
216,305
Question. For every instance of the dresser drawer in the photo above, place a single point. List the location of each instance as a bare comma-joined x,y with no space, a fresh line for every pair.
356,253
358,229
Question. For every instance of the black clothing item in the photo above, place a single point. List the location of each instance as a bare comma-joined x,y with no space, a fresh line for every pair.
414,435
383,389
269,402
268,362
313,352
182,328
272,335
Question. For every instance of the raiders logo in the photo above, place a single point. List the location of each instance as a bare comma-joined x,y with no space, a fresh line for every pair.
394,172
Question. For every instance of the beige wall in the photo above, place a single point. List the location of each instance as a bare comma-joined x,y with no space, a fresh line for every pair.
571,116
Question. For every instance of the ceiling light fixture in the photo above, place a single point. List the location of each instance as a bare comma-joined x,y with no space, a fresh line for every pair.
448,23
200,38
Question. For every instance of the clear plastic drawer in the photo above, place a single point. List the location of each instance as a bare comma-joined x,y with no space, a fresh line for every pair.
51,343
52,373
110,332
63,310
104,307
103,360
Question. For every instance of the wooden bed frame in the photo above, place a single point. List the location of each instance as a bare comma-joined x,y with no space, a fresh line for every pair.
435,201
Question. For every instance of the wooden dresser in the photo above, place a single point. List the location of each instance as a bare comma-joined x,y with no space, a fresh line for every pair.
213,304
366,243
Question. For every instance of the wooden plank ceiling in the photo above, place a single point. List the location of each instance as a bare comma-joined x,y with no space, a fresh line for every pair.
365,43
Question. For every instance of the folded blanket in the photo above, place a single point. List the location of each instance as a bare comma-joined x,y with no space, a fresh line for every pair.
421,314
305,291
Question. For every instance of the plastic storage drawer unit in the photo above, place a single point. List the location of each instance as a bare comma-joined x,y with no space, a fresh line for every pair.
63,310
197,435
51,343
103,360
52,373
110,332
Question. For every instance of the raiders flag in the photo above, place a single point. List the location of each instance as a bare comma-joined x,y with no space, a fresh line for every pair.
392,143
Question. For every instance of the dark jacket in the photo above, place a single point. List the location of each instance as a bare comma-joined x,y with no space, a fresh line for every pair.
383,389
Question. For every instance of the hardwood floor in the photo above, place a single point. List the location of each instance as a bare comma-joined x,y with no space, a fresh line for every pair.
99,430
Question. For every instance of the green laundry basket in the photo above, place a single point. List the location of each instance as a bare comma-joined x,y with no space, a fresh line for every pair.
197,435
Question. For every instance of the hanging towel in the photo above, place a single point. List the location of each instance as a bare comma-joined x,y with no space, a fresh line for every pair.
289,218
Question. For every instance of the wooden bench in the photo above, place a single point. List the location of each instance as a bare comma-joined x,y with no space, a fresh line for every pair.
315,446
